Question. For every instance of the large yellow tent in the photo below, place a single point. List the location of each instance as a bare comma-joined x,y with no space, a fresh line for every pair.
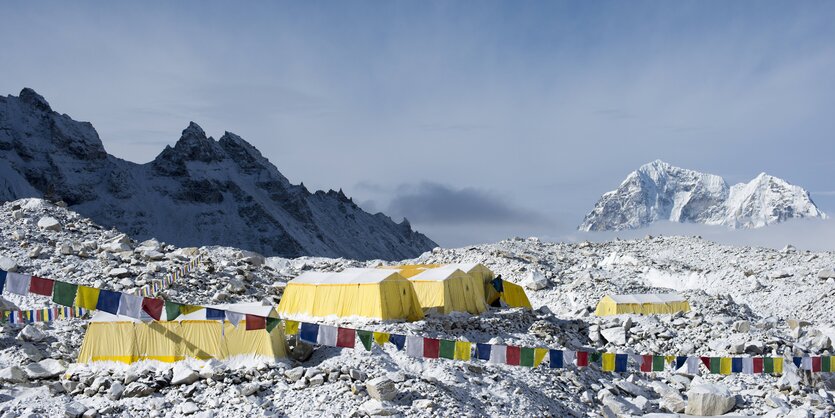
642,304
409,270
127,340
367,293
448,289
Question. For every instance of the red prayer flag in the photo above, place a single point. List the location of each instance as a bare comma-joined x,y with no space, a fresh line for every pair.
514,355
345,337
153,307
41,286
758,364
816,364
254,322
706,362
582,358
646,363
431,347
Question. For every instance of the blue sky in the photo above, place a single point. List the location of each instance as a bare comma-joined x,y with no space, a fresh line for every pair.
477,120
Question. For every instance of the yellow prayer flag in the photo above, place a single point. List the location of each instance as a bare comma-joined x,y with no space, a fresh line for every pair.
725,365
539,355
291,327
778,365
187,309
608,362
381,338
463,350
670,359
87,297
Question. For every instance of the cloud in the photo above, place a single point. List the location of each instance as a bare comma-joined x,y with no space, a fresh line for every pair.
434,203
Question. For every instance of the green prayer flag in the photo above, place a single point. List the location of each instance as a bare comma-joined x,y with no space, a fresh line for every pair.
172,310
658,363
768,365
272,323
594,357
526,357
825,363
447,349
64,293
366,337
715,365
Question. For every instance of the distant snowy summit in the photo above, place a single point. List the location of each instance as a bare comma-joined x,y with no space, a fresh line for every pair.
660,191
201,191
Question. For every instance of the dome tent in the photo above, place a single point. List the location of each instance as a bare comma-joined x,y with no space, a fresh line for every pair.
642,304
448,289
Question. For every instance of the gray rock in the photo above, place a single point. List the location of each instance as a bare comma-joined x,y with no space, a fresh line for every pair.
137,390
118,272
317,380
13,374
294,374
183,375
45,369
7,264
534,280
115,392
706,399
374,408
615,406
826,274
423,404
90,413
31,333
74,410
49,223
381,388
614,335
358,375
188,408
742,326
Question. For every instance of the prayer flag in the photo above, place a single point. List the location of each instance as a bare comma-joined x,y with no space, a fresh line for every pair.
346,337
512,355
797,361
291,327
327,335
498,354
539,355
748,365
40,286
526,357
271,324
187,309
365,338
826,364
736,365
555,359
608,362
757,364
680,360
235,318
398,340
64,293
715,365
414,346
706,361
172,310
463,350
568,357
87,297
725,365
806,363
215,314
18,283
621,361
309,333
431,347
2,279
381,337
646,364
594,357
130,305
778,365
108,301
447,349
582,358
483,351
658,363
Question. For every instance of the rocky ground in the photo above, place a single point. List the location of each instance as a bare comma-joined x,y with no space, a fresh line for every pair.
744,300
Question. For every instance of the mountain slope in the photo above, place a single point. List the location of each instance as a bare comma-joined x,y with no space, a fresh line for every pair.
201,191
660,191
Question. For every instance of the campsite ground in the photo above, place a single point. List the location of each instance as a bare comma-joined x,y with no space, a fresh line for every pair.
742,302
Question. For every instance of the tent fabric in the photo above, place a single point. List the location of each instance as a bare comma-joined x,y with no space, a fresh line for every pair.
448,289
127,340
642,304
368,293
514,296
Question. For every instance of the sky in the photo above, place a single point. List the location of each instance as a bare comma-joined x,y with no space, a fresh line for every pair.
477,121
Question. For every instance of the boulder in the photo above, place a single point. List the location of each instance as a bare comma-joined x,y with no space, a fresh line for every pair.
31,333
294,374
358,375
742,326
252,258
74,410
137,390
614,335
115,392
13,374
375,408
707,399
534,280
188,408
7,264
183,375
826,274
381,388
48,223
615,406
45,369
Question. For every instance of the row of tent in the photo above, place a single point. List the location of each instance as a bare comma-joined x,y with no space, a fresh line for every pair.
398,292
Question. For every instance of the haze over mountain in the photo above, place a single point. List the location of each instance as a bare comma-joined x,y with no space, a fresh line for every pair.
658,191
201,191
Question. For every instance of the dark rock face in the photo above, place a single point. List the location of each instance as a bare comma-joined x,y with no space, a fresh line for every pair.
201,191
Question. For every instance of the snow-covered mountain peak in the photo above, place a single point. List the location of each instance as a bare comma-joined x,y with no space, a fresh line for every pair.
35,100
661,191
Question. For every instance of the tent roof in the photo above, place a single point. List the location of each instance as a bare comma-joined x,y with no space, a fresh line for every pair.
436,274
648,298
244,308
347,276
467,267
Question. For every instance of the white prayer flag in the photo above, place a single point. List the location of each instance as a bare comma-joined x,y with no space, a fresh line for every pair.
693,365
18,283
414,346
327,335
498,354
234,318
568,357
748,365
130,305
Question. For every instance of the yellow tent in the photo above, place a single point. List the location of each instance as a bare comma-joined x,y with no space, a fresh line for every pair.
448,289
483,274
368,293
127,340
514,296
409,270
642,304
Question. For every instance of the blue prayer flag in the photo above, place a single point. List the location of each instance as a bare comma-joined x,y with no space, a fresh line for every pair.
556,359
736,364
797,361
398,340
680,360
108,301
309,333
215,314
483,351
620,362
2,280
